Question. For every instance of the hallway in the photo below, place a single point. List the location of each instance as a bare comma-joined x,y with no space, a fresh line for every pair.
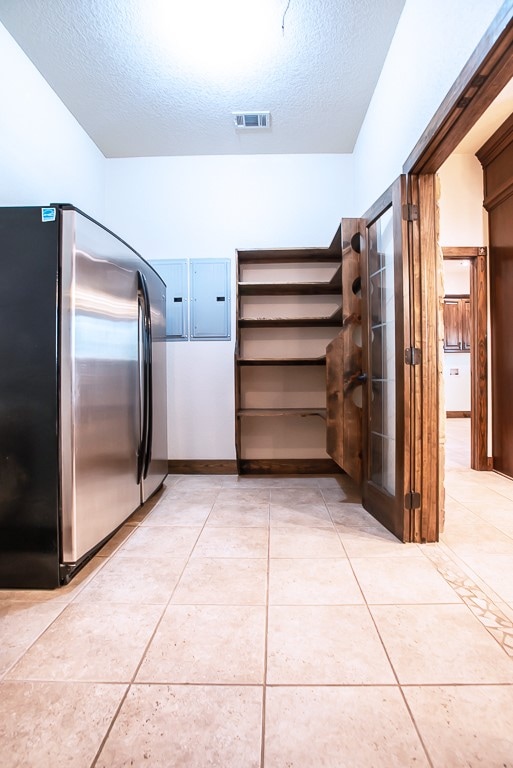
251,622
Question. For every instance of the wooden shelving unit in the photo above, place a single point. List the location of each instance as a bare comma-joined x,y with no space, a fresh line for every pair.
288,310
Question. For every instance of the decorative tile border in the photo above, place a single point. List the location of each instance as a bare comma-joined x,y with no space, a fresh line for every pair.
482,606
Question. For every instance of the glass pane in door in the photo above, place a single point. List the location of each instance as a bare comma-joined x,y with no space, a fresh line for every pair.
382,357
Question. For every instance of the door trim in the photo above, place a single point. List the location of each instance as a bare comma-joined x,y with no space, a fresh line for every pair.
488,70
478,258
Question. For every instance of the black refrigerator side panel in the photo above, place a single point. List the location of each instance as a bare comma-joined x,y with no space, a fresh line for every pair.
29,441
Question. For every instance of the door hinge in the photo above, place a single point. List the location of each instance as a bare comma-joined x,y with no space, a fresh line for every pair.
412,500
412,356
410,212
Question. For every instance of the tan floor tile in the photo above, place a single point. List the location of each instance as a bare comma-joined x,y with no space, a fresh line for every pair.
300,515
296,481
246,482
305,542
240,514
347,492
479,538
506,608
45,725
90,642
322,645
327,482
119,538
467,490
182,509
161,540
440,644
207,644
455,512
312,582
374,541
223,581
243,495
21,624
129,579
350,727
496,571
195,482
350,514
401,580
500,517
232,542
288,497
465,725
171,726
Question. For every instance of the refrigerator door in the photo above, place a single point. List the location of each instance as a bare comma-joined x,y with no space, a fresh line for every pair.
156,460
100,403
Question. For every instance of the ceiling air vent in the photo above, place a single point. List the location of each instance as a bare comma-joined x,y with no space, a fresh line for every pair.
252,119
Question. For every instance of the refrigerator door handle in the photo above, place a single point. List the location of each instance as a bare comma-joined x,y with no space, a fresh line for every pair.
149,388
145,377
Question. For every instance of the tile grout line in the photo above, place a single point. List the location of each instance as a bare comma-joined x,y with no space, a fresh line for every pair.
398,684
148,644
266,630
483,607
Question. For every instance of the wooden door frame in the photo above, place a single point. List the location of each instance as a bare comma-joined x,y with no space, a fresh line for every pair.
477,258
487,71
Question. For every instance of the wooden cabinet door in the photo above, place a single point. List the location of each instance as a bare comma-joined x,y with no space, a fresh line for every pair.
465,325
344,364
452,325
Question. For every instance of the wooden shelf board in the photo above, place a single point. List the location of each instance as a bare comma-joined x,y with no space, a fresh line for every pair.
288,289
289,256
281,360
321,412
334,320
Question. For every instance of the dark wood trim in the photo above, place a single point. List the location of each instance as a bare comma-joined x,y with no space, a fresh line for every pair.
477,256
497,143
457,414
479,361
383,202
202,467
465,252
493,201
490,464
426,302
289,467
488,70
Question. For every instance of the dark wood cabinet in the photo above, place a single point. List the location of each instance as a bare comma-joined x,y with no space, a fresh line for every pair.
457,324
496,157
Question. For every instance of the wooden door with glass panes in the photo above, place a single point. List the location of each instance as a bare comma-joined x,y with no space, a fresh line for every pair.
388,362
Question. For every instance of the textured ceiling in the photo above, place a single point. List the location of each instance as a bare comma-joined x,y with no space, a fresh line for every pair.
162,77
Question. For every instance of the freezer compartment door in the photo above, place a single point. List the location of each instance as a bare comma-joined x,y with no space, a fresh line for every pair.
100,403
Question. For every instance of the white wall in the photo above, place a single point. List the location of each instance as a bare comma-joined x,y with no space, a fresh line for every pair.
461,224
462,216
45,156
433,41
197,207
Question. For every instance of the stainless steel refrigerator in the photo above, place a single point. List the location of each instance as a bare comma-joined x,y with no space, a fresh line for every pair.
83,427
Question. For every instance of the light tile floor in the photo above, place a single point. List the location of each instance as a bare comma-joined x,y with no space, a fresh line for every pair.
251,622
